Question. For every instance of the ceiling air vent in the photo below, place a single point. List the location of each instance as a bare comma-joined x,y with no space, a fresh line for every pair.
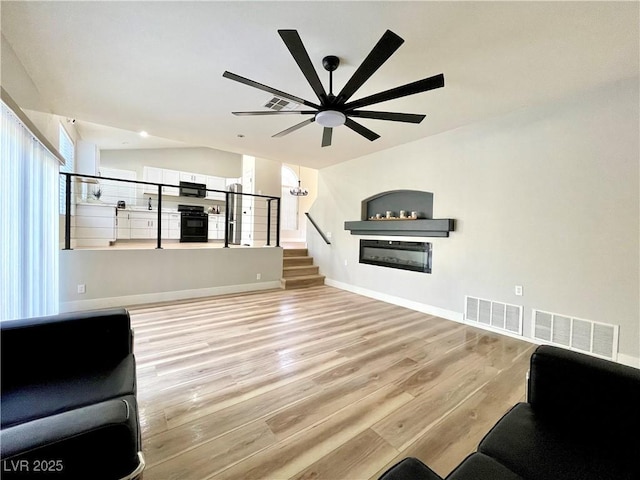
279,103
495,315
598,339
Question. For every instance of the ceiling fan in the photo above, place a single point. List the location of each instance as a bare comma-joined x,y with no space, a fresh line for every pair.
335,110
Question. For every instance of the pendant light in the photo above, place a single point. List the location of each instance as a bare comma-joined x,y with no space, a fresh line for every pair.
299,191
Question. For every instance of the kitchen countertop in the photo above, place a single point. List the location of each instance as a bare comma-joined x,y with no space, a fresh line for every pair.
164,210
135,208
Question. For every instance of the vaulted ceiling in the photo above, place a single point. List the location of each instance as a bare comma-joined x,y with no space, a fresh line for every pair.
157,66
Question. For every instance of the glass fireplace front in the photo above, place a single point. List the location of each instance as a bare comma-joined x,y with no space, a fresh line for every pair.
414,256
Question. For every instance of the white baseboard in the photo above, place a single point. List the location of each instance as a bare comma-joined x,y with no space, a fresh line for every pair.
140,299
629,360
449,315
401,302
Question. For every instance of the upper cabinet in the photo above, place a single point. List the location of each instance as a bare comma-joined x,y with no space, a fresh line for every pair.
193,178
88,158
153,175
171,177
174,177
216,183
114,191
161,175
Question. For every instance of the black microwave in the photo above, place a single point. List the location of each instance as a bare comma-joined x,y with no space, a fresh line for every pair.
188,189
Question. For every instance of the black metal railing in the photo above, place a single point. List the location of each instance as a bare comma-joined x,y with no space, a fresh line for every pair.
322,234
264,215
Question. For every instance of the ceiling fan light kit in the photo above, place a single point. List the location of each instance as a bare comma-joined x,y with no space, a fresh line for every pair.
330,118
336,110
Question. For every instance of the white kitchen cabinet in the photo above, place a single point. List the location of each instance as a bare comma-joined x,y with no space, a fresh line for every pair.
231,181
171,177
173,225
164,176
216,183
114,191
216,227
88,158
144,225
193,177
154,175
95,225
123,225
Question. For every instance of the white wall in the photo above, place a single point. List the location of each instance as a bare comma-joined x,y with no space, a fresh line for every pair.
546,197
18,84
127,277
207,161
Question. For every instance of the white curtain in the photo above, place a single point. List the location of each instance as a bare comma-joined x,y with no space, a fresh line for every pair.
28,224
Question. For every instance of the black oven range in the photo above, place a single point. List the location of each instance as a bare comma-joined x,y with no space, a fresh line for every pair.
194,223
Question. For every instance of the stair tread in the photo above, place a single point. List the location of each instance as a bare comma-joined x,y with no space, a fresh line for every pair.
299,267
294,252
303,277
302,281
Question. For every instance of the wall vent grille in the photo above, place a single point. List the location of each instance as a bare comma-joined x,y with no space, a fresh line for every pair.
278,103
495,315
598,339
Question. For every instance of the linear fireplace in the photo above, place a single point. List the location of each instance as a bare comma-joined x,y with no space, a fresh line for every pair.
414,256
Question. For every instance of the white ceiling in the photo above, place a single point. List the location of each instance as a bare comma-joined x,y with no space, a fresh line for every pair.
157,66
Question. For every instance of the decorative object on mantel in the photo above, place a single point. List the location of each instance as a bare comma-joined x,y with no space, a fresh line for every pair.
336,110
419,224
299,191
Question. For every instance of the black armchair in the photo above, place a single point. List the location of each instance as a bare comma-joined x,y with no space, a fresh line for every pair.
68,397
581,422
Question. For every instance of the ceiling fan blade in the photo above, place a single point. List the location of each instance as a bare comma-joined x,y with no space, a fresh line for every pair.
381,52
326,136
294,43
364,131
294,128
266,88
420,86
275,112
391,116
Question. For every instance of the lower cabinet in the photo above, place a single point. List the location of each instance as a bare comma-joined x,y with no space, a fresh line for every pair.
216,227
94,225
123,225
144,225
172,221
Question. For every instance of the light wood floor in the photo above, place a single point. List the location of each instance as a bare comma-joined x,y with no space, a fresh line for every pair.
314,383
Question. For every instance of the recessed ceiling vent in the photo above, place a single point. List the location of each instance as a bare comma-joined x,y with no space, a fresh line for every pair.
280,104
598,339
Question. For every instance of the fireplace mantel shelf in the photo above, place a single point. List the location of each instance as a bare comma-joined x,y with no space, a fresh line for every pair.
438,227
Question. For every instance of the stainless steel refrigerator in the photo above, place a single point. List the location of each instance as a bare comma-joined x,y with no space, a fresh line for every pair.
235,214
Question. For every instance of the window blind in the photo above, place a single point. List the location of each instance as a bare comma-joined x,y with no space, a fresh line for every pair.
29,284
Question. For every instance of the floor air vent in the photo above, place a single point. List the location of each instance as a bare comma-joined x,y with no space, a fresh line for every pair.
496,315
598,339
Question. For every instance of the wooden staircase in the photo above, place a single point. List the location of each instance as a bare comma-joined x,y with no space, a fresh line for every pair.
298,270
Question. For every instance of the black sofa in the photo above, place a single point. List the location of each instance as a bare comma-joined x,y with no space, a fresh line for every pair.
581,422
68,398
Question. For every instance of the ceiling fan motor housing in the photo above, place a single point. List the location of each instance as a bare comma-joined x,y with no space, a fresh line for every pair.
330,63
